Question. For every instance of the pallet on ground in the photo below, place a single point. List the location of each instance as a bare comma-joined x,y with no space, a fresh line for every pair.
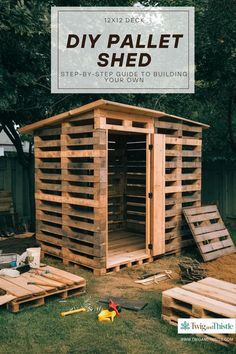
207,298
137,259
31,290
208,229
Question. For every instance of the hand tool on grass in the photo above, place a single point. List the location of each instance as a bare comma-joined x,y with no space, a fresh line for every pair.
106,316
72,312
114,307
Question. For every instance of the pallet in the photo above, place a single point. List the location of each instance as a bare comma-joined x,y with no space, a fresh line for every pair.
207,298
137,260
57,283
208,229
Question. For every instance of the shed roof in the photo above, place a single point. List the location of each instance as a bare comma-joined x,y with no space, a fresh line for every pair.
109,105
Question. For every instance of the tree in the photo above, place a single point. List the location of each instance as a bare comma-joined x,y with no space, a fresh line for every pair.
25,70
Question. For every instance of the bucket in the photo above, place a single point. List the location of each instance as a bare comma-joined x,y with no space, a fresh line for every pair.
33,255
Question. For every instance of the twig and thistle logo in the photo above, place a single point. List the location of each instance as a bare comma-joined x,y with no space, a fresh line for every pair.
206,325
185,326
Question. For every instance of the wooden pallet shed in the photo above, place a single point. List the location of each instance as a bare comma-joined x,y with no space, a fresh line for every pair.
111,182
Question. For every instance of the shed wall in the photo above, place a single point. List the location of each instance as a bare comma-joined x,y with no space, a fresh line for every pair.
183,150
71,182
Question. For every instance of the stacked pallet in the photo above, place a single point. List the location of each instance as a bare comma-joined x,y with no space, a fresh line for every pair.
32,289
207,298
182,178
71,188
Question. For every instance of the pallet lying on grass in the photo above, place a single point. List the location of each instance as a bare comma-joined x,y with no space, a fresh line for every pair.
55,283
207,298
208,229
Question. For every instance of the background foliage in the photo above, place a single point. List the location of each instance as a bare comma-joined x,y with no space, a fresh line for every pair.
25,71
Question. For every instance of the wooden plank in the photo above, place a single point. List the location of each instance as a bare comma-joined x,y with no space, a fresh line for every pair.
202,217
216,245
207,229
75,278
213,293
46,154
201,210
83,153
219,284
22,282
77,129
183,141
131,129
4,299
66,140
212,235
219,253
158,199
40,143
14,289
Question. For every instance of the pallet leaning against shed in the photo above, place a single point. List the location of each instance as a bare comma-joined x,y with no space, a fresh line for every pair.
209,231
111,182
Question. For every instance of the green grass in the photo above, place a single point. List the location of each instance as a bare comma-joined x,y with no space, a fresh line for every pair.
42,330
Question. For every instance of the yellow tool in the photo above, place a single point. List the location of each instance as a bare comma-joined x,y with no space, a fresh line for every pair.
106,316
72,312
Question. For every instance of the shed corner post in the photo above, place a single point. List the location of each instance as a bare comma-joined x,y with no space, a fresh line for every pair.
158,194
100,134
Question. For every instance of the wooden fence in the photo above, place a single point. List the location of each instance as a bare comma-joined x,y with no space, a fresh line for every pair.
219,186
15,179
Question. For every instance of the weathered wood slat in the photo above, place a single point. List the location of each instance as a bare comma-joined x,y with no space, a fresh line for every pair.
216,293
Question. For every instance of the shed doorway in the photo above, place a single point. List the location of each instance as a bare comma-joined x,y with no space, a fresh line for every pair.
127,197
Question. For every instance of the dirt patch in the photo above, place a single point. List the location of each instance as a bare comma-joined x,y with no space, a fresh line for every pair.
123,283
222,268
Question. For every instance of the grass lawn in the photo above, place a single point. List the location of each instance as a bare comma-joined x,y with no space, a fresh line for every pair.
42,330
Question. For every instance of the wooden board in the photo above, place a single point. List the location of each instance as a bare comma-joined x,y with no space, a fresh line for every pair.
158,194
208,229
57,282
